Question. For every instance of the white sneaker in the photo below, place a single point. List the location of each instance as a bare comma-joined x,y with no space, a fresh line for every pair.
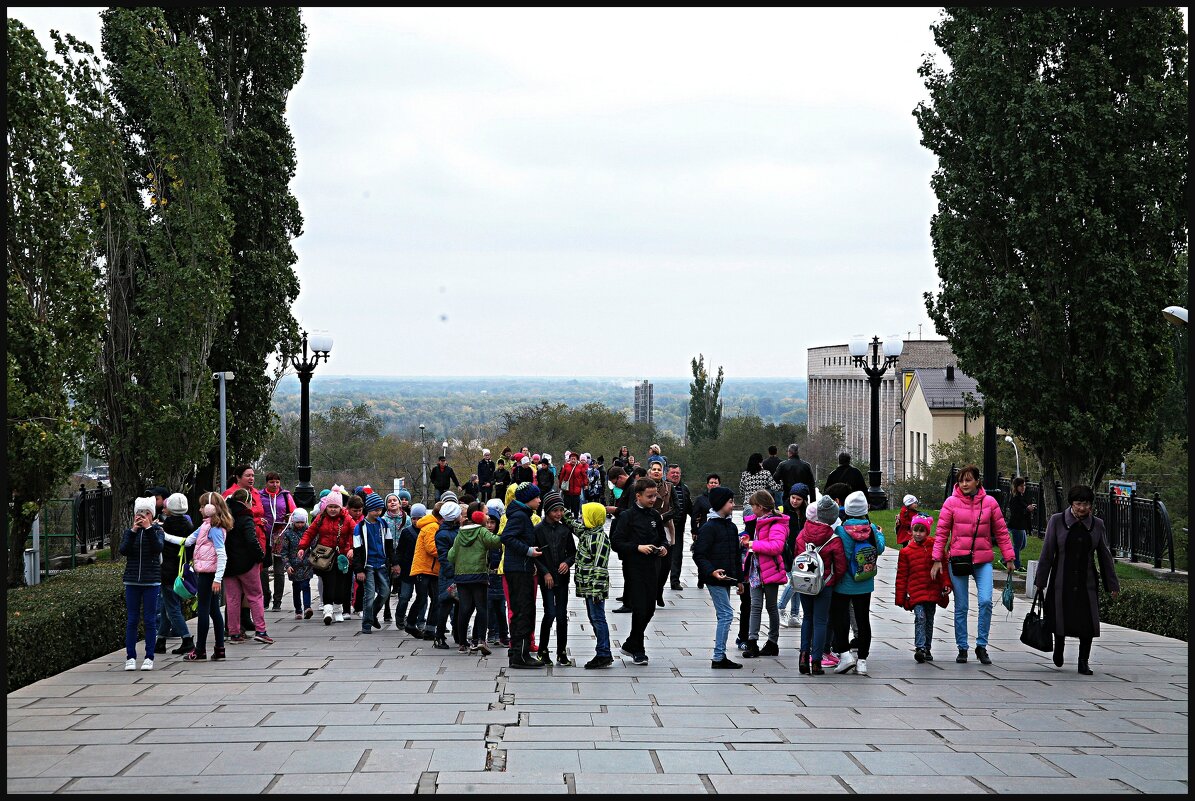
148,664
861,667
130,664
846,661
339,617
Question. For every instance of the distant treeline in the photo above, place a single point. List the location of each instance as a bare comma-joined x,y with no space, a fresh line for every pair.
445,405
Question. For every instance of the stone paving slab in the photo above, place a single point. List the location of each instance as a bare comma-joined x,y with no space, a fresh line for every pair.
385,713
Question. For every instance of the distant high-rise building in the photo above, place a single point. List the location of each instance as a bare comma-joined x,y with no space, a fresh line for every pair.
644,403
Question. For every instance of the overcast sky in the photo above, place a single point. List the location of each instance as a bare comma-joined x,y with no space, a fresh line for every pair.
643,185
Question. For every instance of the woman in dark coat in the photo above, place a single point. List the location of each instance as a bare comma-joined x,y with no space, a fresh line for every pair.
1067,573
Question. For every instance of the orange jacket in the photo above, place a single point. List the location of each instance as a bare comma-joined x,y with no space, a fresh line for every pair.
426,561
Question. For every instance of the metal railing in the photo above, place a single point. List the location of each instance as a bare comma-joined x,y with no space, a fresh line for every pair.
1138,528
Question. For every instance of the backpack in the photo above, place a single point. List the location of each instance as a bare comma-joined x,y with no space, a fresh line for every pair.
861,564
810,572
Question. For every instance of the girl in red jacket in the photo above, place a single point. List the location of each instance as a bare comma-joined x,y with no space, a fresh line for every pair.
917,589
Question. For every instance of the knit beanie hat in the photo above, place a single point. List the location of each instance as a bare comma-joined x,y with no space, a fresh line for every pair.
910,500
856,504
478,517
450,510
450,496
299,515
176,504
494,508
403,495
718,498
418,511
149,504
827,510
374,501
526,492
553,500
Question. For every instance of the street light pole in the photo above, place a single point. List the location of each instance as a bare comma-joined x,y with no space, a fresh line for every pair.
423,455
877,498
222,378
304,364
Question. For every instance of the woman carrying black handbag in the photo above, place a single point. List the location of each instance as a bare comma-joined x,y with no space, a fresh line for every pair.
1067,573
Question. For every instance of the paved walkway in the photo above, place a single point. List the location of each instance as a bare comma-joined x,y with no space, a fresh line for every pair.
326,709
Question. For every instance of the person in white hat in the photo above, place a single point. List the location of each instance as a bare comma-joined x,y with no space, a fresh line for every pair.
904,521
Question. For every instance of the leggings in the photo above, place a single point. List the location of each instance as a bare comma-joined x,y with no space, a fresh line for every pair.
840,620
208,611
473,599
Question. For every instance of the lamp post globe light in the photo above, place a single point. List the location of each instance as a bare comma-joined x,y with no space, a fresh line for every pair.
875,369
304,364
1015,450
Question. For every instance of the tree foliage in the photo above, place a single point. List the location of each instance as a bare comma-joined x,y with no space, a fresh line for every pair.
53,313
1061,137
161,230
253,57
705,406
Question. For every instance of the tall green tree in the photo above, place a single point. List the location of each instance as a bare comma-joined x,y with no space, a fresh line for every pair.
161,230
705,404
1061,137
53,311
253,57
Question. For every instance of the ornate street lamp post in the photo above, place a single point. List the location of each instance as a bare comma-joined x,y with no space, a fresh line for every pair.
304,364
877,498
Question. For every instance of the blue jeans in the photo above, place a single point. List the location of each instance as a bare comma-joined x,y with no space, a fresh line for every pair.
1019,538
170,610
983,588
923,625
790,596
377,587
721,598
817,621
141,603
596,609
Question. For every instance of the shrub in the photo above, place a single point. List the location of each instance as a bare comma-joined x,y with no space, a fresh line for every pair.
1159,607
64,622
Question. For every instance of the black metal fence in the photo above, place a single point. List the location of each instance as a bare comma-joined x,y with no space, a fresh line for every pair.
1139,528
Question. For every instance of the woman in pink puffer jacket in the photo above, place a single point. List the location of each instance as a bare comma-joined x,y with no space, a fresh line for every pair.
968,520
763,567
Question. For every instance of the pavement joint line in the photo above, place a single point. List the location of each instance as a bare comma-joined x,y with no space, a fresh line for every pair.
127,767
859,764
850,790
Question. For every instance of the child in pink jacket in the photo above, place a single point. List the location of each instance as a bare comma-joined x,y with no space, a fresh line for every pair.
763,567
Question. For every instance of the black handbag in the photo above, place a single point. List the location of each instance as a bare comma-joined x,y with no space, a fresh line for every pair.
1034,631
963,565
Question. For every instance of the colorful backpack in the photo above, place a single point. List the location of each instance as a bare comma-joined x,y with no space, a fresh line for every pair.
810,572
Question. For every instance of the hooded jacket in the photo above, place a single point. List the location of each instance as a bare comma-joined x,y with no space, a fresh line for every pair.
820,535
767,544
968,523
518,536
850,531
913,583
245,551
469,554
424,561
592,565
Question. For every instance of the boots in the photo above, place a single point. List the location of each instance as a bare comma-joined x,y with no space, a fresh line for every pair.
187,647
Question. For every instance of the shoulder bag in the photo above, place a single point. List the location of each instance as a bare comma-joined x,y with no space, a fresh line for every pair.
1034,631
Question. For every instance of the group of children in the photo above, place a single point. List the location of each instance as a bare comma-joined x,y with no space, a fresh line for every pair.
455,563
